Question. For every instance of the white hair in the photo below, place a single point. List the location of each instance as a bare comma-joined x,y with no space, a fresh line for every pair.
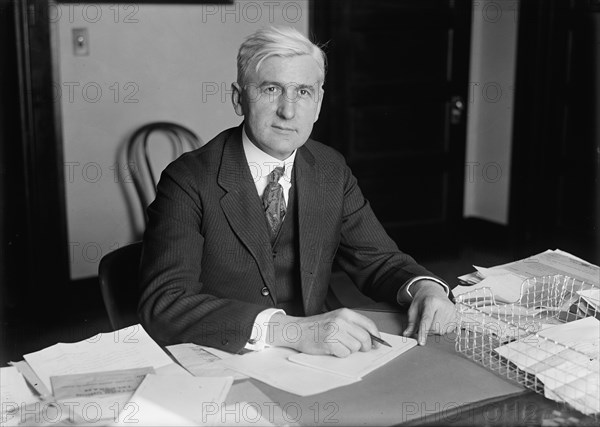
275,41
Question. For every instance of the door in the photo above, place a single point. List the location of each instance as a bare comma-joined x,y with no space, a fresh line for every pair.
394,105
556,151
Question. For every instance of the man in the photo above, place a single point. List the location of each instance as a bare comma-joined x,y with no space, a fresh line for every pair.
243,232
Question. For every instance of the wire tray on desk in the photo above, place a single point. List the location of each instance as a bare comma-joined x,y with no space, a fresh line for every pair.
510,339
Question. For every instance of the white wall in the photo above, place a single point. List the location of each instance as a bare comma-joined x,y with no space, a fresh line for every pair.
489,123
146,63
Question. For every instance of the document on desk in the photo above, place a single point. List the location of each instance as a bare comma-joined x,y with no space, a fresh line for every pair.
126,348
107,392
548,263
203,362
306,375
358,364
591,296
14,393
566,361
174,400
272,367
98,383
506,287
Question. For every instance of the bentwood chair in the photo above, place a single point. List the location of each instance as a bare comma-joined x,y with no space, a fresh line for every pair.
143,152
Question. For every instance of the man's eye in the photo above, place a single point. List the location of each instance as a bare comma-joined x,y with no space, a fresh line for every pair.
304,92
271,89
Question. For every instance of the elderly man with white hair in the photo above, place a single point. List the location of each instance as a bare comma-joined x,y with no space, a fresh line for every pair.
243,234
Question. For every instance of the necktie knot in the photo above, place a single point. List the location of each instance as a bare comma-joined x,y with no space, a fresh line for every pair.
276,174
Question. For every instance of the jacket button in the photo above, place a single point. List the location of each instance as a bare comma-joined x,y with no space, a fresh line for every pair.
265,291
225,341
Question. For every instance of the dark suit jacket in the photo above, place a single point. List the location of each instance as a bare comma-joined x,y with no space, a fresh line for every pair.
207,254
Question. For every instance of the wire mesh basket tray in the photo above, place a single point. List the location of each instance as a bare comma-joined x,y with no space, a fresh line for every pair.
546,341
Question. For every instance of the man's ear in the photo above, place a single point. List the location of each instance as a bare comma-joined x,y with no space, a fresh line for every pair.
236,98
320,103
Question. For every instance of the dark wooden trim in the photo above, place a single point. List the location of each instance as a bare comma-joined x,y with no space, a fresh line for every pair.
46,265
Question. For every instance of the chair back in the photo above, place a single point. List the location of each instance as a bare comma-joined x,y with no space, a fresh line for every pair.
145,178
117,273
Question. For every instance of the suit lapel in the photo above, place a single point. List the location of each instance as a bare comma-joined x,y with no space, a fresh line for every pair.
243,209
310,198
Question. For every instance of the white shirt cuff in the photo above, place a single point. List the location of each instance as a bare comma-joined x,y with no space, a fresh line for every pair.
258,338
433,279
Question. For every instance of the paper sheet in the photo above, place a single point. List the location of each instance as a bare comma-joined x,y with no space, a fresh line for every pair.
567,361
98,383
591,296
505,287
32,378
127,348
175,401
14,395
548,263
358,364
202,362
272,366
582,335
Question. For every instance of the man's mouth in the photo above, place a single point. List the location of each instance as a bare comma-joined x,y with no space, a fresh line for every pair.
284,129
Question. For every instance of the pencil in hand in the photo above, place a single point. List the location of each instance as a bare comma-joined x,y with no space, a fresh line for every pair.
379,340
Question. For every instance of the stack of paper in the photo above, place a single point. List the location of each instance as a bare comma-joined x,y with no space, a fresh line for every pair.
127,348
91,381
306,375
176,401
505,286
358,364
548,263
566,358
14,395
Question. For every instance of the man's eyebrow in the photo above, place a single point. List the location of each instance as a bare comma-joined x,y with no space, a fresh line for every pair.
296,85
270,83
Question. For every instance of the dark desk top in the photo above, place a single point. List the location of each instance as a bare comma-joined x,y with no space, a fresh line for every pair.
424,381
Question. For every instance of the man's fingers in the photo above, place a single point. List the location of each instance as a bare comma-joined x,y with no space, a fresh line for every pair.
362,337
345,344
423,329
363,321
340,350
359,327
425,324
412,321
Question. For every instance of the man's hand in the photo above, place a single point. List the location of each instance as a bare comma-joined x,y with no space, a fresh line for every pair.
339,333
430,310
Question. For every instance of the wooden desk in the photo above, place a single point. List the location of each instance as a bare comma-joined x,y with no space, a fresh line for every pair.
432,383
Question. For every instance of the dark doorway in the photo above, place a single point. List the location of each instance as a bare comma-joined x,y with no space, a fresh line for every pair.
394,106
556,148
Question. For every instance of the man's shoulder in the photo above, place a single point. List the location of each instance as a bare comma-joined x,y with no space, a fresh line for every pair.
205,159
323,152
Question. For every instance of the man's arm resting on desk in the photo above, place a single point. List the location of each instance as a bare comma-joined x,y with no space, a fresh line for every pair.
342,332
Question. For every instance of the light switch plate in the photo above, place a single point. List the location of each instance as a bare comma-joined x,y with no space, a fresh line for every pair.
81,42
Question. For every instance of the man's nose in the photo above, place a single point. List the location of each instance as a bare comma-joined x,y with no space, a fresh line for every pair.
287,107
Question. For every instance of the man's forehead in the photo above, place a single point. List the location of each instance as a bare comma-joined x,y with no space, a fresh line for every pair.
300,70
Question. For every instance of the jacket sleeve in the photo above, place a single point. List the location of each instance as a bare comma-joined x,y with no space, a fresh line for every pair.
366,252
173,307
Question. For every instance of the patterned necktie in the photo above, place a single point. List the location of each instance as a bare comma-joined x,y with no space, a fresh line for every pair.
273,202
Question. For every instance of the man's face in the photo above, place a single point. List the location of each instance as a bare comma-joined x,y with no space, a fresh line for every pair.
280,103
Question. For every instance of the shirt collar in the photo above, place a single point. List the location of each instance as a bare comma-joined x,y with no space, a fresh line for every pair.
262,164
